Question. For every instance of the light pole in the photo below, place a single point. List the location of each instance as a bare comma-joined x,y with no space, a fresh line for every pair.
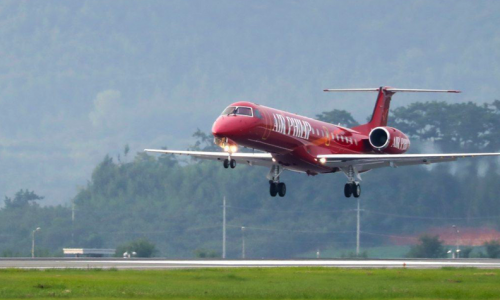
33,242
243,242
224,228
457,232
358,227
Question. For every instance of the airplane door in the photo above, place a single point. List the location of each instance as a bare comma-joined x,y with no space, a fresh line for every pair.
268,124
328,136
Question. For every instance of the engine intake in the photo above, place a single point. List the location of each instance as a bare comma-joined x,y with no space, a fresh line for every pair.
389,140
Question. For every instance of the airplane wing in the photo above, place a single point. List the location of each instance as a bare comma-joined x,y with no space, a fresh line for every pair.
364,162
259,159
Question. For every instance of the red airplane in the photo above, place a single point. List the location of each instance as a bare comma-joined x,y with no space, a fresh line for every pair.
301,144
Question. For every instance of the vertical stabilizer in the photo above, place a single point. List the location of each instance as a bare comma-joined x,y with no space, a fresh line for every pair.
381,111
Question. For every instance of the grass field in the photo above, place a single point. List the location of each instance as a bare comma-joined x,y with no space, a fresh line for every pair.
248,283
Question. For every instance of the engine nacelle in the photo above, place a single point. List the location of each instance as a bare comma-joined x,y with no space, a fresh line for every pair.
389,140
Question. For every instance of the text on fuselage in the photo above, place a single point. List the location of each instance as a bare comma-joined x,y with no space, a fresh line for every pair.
401,143
292,126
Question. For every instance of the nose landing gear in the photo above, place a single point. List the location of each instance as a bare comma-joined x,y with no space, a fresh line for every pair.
229,163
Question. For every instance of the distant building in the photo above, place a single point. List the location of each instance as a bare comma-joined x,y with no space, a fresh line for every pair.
468,236
88,252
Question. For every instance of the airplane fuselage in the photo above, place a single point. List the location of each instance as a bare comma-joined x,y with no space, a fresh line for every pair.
295,141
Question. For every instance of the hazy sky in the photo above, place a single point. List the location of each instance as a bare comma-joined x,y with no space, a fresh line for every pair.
80,79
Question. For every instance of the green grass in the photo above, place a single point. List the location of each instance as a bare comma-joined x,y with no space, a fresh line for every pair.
251,283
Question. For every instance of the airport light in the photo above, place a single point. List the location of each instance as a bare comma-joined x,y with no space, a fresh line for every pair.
33,242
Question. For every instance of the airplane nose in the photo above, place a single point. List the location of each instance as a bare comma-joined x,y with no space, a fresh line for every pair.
227,126
221,128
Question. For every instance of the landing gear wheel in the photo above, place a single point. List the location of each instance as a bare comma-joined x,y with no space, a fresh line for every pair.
356,190
232,163
348,189
273,189
226,163
282,189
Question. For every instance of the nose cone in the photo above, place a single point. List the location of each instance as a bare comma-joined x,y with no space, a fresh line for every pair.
223,127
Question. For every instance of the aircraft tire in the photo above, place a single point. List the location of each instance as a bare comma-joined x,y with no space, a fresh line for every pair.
282,189
348,190
273,189
232,163
226,163
356,190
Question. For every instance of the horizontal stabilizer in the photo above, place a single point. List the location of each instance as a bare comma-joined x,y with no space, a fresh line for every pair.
352,90
394,90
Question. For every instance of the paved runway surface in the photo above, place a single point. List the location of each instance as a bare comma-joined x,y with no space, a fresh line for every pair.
85,263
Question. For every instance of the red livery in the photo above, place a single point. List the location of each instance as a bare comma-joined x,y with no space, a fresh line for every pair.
297,143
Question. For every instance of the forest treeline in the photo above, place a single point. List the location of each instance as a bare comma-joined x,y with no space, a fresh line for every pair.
176,204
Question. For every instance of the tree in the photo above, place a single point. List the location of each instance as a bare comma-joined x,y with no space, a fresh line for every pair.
492,249
23,198
466,252
204,141
203,253
338,116
428,247
126,150
451,126
142,247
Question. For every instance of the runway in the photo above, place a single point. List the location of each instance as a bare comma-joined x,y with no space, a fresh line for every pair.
107,263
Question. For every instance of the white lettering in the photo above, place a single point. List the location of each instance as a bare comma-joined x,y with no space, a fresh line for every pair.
285,125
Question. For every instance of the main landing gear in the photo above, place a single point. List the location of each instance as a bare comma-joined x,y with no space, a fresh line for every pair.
229,163
352,187
275,186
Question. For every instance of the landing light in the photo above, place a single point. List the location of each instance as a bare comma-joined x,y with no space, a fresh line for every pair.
226,148
233,149
322,160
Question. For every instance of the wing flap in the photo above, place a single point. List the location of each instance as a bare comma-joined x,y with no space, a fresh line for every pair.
260,159
373,161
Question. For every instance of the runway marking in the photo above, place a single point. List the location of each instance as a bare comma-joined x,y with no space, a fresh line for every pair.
176,264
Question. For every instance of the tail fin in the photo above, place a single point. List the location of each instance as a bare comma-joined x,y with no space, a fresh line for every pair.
381,110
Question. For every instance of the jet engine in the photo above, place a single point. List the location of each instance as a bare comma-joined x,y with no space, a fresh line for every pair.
388,140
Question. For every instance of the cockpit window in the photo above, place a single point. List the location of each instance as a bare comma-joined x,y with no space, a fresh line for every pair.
237,110
228,110
257,113
244,111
